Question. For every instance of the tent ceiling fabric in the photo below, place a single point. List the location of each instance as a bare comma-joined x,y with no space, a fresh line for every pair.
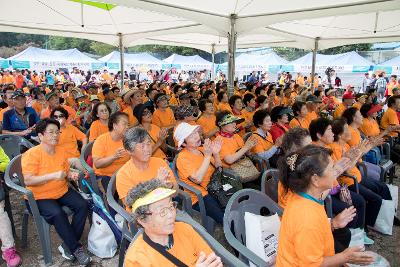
200,24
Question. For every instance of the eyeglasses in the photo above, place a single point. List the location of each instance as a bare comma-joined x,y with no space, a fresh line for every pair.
146,112
58,116
164,211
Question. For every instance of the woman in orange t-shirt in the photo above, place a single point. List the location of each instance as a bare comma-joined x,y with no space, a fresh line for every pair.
207,118
223,104
108,151
300,112
69,137
305,238
196,165
354,120
39,102
46,173
373,191
233,147
144,114
101,115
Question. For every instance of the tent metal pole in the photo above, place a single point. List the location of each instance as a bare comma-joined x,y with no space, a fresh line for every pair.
314,59
121,59
232,35
213,62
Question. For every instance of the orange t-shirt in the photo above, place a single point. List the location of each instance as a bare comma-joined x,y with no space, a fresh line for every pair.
248,117
263,144
224,106
37,106
357,105
283,197
207,124
299,122
389,118
173,101
337,153
97,128
188,163
287,101
187,247
355,137
154,132
130,176
2,113
8,79
105,146
311,115
339,111
229,147
68,137
163,119
132,119
36,161
305,238
370,127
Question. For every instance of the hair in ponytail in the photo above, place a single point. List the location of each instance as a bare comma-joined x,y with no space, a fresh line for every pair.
297,168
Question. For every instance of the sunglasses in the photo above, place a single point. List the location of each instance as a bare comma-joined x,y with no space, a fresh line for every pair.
58,117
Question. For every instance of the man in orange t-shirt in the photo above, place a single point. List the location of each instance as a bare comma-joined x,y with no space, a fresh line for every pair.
142,166
45,170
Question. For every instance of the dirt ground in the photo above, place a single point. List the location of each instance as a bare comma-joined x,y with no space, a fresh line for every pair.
387,246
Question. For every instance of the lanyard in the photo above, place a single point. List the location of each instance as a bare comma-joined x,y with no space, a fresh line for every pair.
307,196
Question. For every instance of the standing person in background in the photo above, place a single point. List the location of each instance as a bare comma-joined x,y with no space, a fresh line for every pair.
391,85
380,86
366,83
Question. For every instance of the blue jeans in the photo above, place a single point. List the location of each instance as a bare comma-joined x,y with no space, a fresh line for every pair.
373,192
213,209
358,202
51,210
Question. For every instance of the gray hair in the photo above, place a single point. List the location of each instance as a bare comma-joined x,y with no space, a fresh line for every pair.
134,136
140,191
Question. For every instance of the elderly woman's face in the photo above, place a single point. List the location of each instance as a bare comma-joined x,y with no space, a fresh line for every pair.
229,128
147,116
161,221
142,151
325,181
193,140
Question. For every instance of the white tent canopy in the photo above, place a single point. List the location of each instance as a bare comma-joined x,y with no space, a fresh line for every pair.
41,59
247,63
187,62
346,62
391,66
142,61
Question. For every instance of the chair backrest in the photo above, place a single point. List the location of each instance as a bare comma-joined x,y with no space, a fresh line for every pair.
245,200
269,183
87,150
13,173
175,168
12,144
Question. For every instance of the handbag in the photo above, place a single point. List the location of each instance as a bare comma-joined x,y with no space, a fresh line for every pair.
215,187
101,239
345,195
245,169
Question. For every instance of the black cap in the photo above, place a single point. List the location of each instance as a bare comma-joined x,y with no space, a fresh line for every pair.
17,93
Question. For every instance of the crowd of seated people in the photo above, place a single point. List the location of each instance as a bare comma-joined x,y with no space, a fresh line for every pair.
317,140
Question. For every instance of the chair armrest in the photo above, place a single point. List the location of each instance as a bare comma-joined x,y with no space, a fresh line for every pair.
186,201
328,206
118,208
354,179
386,150
200,199
228,258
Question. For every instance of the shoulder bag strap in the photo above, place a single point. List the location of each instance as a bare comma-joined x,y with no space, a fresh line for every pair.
163,251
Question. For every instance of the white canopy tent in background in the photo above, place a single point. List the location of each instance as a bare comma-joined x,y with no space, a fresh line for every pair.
341,63
391,66
34,58
187,63
247,63
140,61
304,23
